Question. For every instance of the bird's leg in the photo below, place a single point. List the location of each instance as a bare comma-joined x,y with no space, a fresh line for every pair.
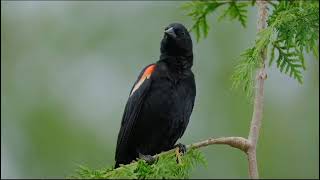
180,149
148,158
178,156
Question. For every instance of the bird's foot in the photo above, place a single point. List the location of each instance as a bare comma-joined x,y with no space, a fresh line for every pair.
148,158
180,150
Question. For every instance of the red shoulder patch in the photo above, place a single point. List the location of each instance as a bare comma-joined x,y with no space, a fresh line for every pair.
146,75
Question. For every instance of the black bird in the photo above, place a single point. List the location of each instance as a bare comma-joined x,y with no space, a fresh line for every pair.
161,101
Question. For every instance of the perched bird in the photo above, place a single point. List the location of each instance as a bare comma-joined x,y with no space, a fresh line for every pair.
161,100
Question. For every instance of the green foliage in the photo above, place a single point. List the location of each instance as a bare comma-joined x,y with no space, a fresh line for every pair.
165,167
245,70
199,10
236,10
86,172
296,26
293,28
249,61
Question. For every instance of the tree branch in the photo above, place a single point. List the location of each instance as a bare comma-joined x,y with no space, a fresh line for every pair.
236,142
259,95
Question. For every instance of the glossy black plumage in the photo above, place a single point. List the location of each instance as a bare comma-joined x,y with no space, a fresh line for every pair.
158,109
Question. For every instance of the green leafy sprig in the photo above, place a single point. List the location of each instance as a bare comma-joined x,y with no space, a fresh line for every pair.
293,29
166,167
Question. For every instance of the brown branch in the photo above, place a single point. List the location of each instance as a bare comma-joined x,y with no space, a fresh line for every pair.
236,142
258,101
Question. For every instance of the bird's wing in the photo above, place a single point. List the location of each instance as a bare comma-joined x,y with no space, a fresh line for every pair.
133,107
190,98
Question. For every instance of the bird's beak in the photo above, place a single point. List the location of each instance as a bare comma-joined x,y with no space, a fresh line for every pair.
170,32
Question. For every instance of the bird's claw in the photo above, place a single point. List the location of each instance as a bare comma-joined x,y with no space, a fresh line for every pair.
182,148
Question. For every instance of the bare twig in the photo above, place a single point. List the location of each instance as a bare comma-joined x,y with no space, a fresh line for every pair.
236,142
258,101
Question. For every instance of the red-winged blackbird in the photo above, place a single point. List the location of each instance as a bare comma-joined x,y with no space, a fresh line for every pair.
161,101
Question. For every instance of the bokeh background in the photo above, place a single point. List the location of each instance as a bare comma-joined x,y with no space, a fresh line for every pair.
67,69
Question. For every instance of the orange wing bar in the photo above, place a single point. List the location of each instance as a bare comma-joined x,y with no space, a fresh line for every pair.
146,75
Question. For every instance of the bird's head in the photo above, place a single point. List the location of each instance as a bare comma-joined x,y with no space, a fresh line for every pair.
176,41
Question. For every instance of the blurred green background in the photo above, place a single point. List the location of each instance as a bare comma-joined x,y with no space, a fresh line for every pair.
67,69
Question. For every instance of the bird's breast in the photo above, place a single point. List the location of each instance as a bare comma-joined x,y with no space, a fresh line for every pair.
166,100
